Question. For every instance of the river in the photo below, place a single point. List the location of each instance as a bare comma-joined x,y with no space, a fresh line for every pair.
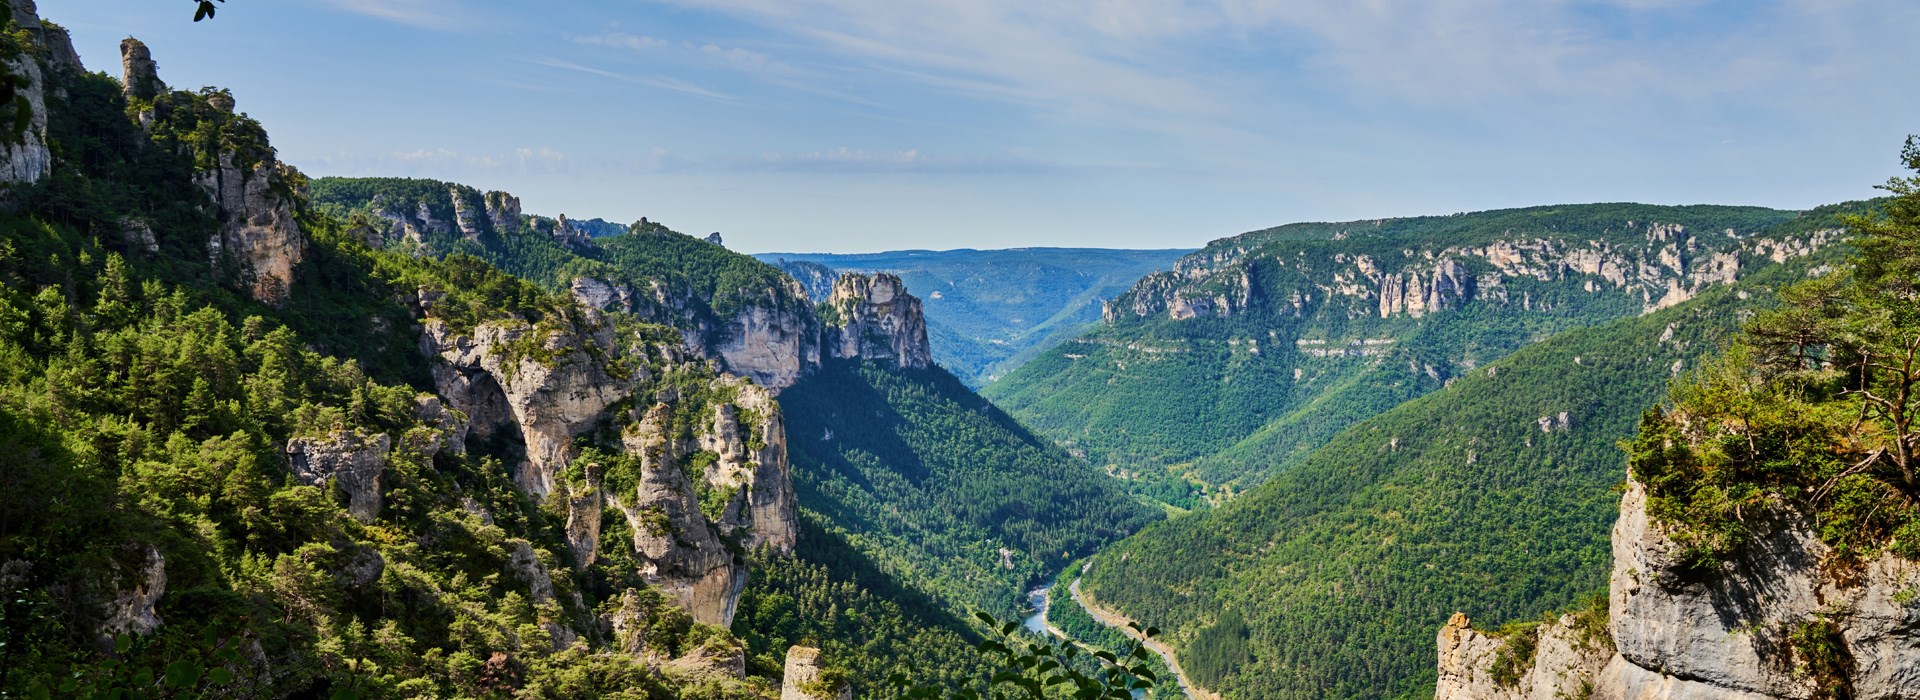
1041,598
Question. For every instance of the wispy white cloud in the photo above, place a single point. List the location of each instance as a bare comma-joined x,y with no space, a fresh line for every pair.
657,81
622,40
427,14
1212,62
444,162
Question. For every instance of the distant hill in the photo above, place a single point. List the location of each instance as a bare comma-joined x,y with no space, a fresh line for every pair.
1258,349
988,311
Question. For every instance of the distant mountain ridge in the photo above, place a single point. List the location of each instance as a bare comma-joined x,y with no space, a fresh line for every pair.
1255,350
990,310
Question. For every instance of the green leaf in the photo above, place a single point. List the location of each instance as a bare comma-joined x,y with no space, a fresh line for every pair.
183,674
122,643
220,676
987,619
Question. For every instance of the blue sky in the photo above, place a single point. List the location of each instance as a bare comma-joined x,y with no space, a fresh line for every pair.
863,125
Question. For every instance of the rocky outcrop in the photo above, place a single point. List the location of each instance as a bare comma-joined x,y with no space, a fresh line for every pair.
874,318
140,76
24,157
503,210
256,225
804,678
348,458
749,439
1744,631
774,343
1656,264
132,609
551,379
698,499
440,429
1418,292
570,235
1563,664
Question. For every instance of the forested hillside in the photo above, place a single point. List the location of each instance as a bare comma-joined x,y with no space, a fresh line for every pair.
270,437
989,311
1258,349
1492,494
943,490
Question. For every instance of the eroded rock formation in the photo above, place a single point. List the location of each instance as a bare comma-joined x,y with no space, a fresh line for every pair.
1742,632
804,678
24,157
693,501
874,318
350,459
1657,264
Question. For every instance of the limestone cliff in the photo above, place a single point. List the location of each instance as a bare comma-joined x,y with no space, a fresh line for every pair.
804,678
874,318
1652,264
1750,630
253,194
693,495
24,157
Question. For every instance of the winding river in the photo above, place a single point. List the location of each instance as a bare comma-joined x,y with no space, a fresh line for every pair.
1041,599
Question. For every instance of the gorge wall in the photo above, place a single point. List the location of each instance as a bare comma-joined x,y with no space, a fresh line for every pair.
1654,264
1780,621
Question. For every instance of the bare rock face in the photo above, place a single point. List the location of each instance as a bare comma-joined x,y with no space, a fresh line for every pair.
602,295
750,440
27,160
1564,664
349,458
140,77
132,609
773,344
683,550
699,497
1736,633
802,678
878,320
1656,265
551,395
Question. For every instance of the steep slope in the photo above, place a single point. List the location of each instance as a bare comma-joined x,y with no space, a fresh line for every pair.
856,367
1491,494
1257,349
541,499
942,489
988,311
1766,543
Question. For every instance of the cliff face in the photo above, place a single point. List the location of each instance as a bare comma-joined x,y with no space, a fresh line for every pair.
874,318
1655,265
252,193
693,497
1777,622
24,157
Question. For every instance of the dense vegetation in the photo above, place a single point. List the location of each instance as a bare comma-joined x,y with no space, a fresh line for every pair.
1223,403
989,311
144,414
1492,495
1815,412
940,489
679,280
